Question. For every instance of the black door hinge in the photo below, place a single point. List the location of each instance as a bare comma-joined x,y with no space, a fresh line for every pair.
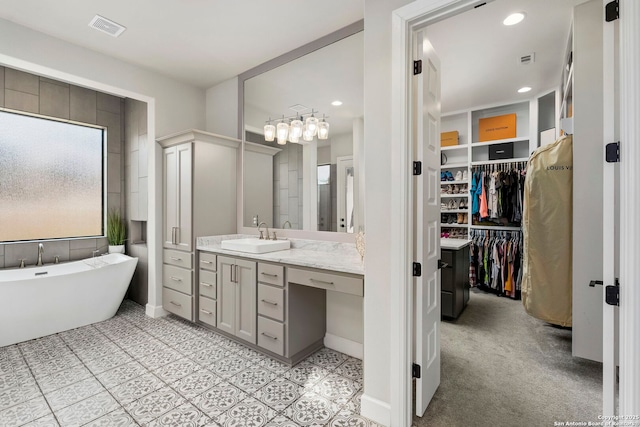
612,152
612,293
612,11
417,67
415,371
417,269
593,283
417,168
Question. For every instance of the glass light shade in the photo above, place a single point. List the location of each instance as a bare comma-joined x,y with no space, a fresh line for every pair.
293,138
282,133
323,130
296,128
312,125
269,132
307,134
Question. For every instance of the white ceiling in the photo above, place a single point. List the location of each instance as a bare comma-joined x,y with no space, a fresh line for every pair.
204,42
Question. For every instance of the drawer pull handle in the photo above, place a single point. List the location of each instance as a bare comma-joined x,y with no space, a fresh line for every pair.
175,259
175,303
321,281
176,279
208,313
206,262
206,284
269,336
266,301
269,274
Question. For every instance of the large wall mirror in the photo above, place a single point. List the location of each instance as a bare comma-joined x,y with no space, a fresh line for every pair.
307,182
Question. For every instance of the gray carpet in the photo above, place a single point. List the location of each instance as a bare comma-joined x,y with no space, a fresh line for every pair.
502,367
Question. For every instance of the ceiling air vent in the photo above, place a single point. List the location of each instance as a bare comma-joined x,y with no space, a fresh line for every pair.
298,108
105,25
528,58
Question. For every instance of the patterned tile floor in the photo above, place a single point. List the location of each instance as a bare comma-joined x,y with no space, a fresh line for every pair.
133,370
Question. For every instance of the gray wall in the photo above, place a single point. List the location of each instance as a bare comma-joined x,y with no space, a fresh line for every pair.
287,186
136,182
34,94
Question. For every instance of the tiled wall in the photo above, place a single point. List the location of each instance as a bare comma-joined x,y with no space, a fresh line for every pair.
287,186
28,92
136,180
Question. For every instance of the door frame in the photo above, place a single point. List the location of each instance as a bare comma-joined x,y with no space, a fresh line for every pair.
405,21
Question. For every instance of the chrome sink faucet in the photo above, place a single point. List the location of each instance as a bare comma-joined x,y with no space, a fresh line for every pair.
40,252
265,226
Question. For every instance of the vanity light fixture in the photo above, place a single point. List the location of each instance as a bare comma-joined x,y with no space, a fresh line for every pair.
297,129
514,18
336,103
524,89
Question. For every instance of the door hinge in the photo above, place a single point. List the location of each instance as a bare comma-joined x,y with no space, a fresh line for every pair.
417,67
417,269
417,168
612,11
612,293
415,371
612,152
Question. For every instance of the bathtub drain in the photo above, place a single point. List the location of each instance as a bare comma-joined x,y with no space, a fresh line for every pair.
42,273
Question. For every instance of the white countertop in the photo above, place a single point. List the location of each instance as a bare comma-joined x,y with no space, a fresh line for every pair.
454,244
334,256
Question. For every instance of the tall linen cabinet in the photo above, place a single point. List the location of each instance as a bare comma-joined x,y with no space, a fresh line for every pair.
198,199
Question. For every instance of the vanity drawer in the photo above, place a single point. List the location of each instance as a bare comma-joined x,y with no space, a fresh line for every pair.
272,274
271,302
207,283
177,278
271,335
177,258
207,311
329,281
177,303
208,261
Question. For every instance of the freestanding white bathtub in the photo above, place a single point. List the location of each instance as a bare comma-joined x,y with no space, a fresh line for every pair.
39,301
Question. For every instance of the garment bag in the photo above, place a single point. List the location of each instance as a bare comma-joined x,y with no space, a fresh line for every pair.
547,228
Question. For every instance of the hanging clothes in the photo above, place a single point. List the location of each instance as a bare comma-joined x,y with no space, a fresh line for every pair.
497,194
547,227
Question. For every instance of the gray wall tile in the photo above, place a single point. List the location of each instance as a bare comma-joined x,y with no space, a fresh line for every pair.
21,81
1,250
21,101
133,174
142,117
108,103
114,136
1,261
55,82
82,104
59,248
1,86
114,169
143,199
76,254
113,202
143,161
82,244
54,100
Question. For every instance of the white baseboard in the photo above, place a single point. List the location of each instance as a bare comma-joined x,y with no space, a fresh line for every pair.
343,345
155,311
376,410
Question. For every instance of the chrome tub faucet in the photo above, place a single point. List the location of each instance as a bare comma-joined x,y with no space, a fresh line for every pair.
40,252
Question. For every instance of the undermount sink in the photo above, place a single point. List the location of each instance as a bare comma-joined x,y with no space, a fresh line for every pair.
255,246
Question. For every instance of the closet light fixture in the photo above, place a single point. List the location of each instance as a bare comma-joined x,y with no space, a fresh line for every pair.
514,18
524,89
296,128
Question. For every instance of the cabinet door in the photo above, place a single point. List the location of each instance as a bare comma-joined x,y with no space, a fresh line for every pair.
169,195
184,196
246,320
226,304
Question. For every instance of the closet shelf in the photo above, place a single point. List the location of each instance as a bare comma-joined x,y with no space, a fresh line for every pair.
454,225
496,162
499,141
495,227
455,166
454,147
466,181
459,195
452,211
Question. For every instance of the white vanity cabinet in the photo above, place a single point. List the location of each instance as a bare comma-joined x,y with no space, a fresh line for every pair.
199,176
236,304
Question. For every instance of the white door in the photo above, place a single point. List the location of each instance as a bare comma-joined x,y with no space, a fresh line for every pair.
426,102
345,197
610,217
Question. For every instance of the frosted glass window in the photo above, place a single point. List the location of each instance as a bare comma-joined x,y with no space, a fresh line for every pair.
51,179
324,174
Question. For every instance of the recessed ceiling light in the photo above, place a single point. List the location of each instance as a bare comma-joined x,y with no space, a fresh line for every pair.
514,18
524,89
336,103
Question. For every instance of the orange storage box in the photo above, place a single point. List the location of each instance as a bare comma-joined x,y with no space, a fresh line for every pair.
449,138
498,127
